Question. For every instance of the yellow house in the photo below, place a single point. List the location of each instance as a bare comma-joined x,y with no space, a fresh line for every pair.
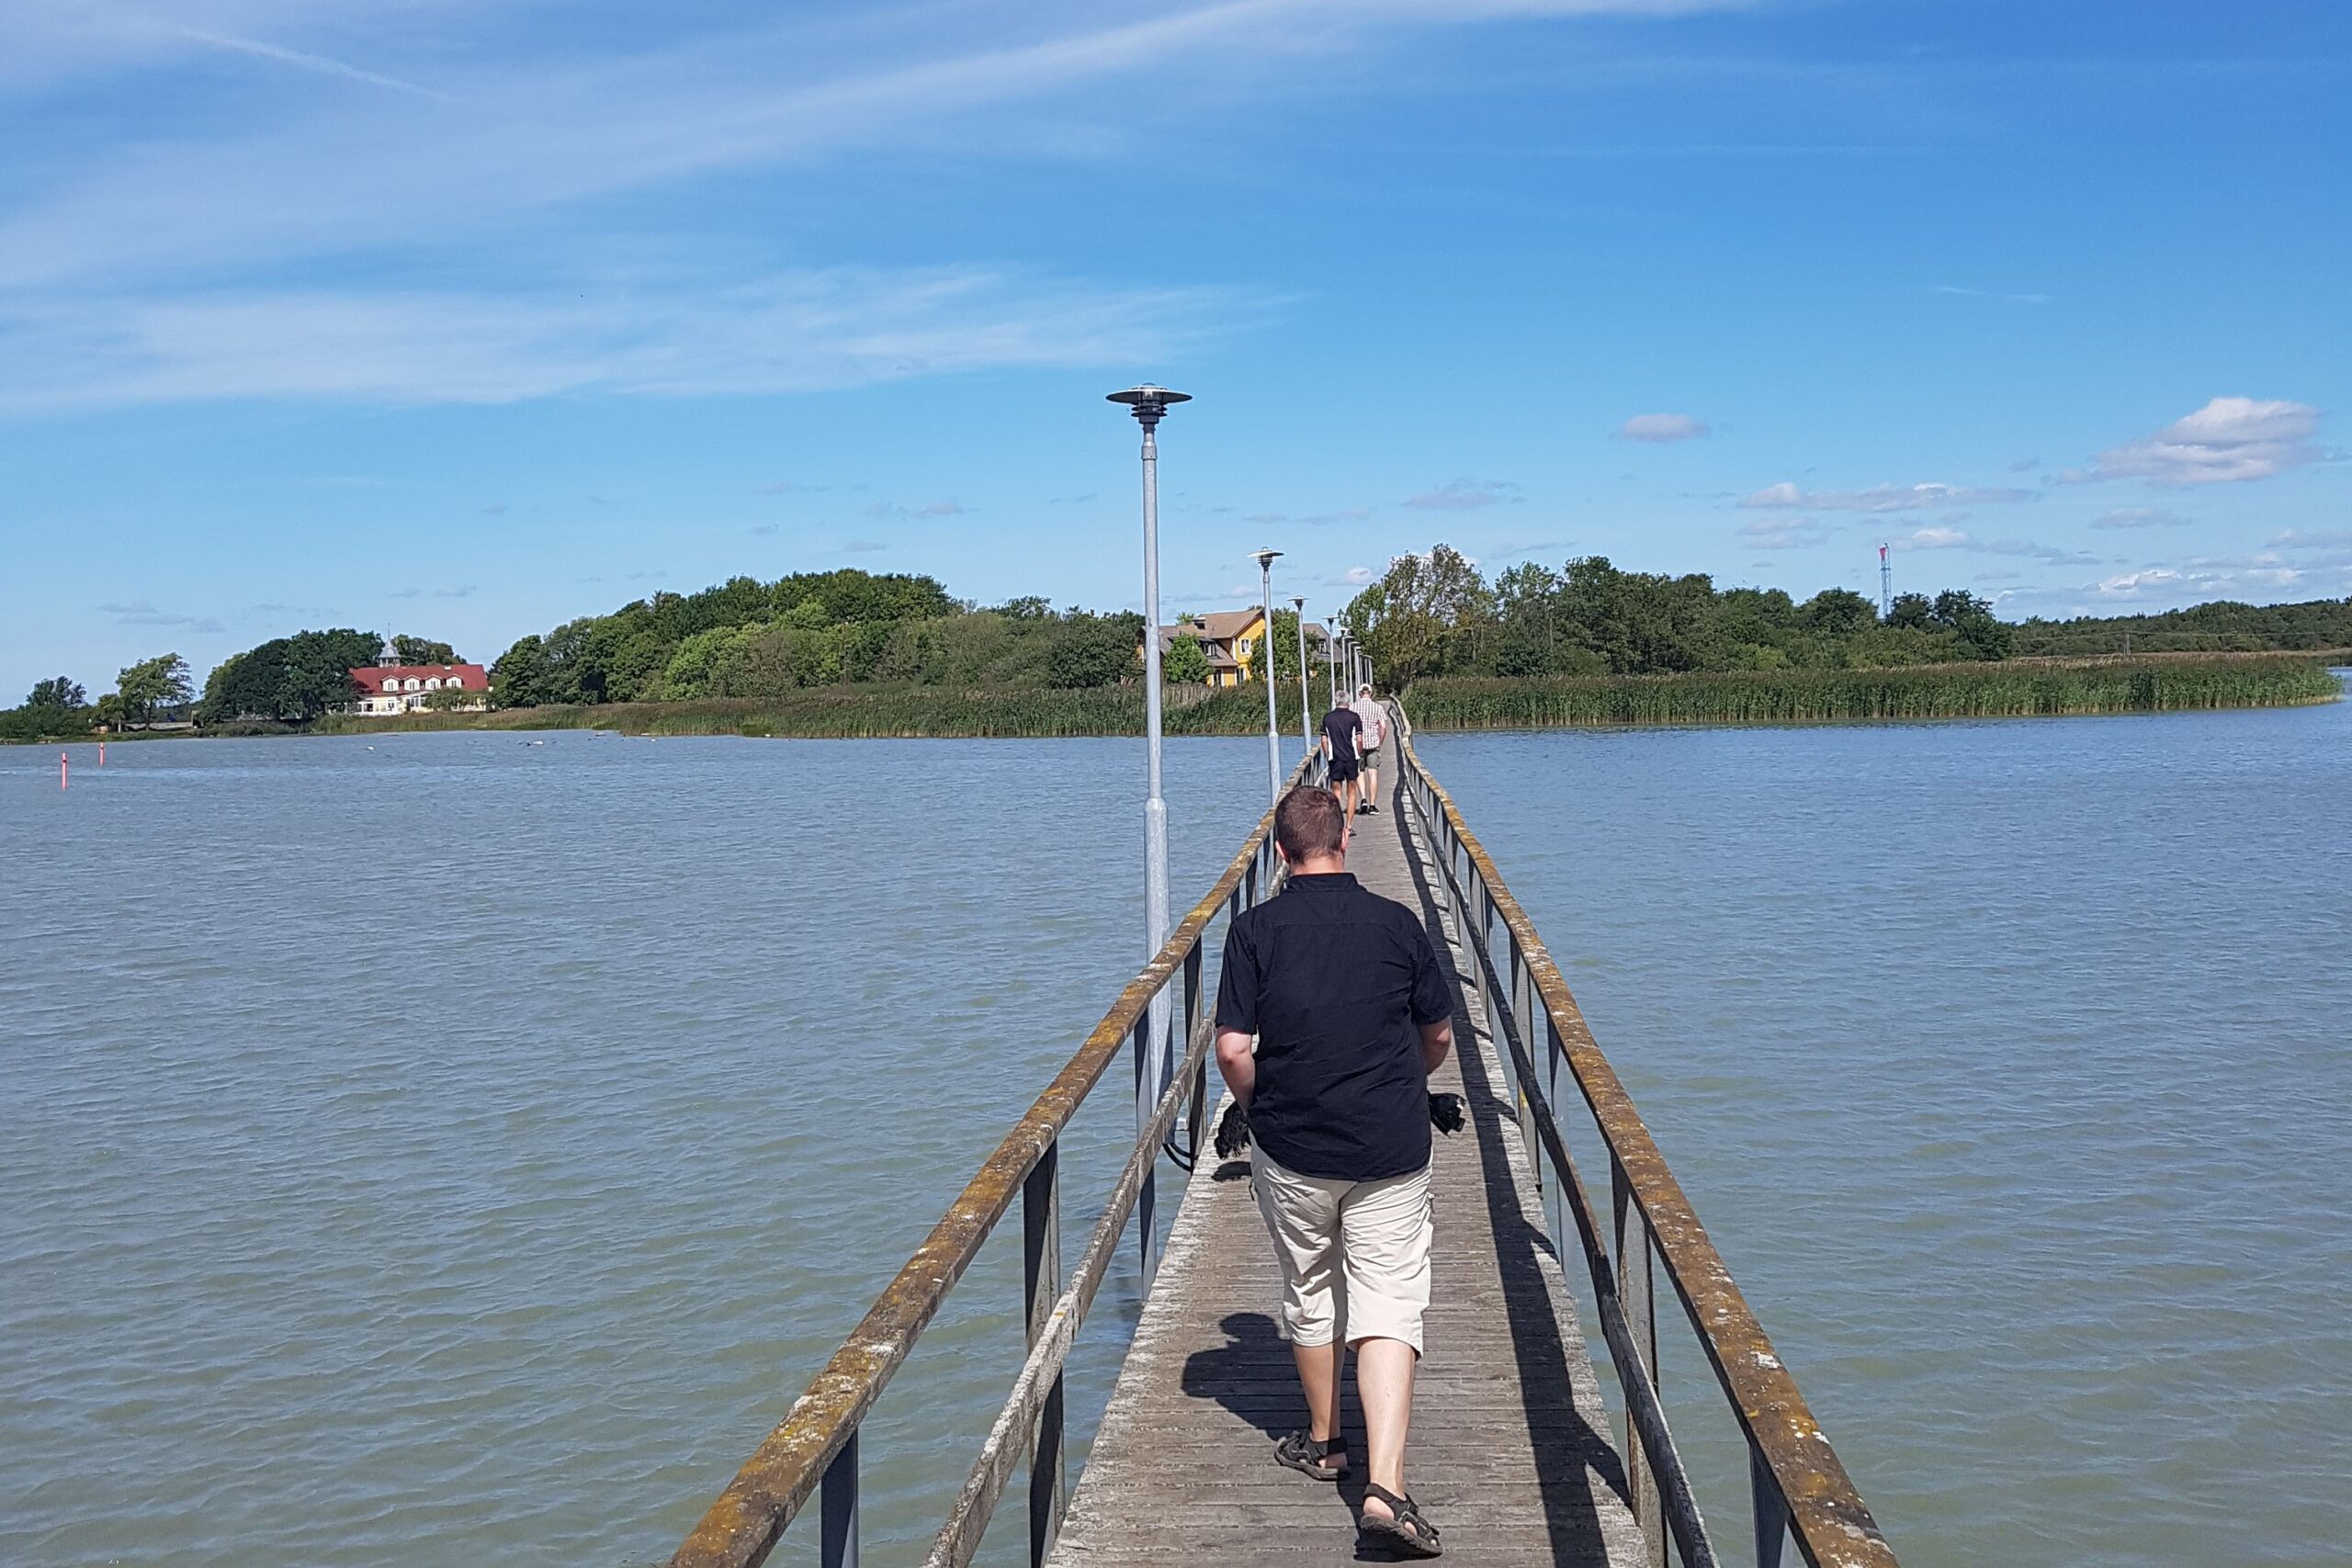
1235,641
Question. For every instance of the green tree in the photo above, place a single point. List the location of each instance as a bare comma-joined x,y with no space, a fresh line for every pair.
152,684
519,679
1912,610
1186,663
58,693
418,650
1093,650
292,680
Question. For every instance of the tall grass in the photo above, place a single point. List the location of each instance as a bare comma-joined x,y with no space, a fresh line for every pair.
2016,688
857,713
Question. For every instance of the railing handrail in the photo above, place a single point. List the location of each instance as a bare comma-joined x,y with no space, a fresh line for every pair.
1823,1510
743,1524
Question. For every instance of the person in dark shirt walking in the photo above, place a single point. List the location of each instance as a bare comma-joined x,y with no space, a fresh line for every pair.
1350,1014
1342,728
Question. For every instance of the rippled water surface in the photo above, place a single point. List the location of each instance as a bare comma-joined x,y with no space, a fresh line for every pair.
447,1147
2009,1067
463,1150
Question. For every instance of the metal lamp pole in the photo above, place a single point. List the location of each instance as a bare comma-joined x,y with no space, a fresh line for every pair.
1331,658
1150,404
1265,559
1305,702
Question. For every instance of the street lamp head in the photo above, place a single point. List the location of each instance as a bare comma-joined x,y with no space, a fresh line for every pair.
1265,559
1148,402
1299,602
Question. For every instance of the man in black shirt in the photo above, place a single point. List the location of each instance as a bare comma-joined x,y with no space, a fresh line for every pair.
1351,1014
1341,728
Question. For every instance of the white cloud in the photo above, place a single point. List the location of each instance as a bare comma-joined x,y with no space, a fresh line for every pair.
1465,495
1947,539
865,547
2311,539
1663,427
1354,577
1931,539
2139,517
1784,532
1885,497
2261,578
2228,440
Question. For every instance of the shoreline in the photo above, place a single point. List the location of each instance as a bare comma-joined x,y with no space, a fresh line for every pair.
2106,686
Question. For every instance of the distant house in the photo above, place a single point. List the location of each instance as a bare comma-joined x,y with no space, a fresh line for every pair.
388,687
1235,641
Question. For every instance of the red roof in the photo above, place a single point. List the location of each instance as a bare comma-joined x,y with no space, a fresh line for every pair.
465,677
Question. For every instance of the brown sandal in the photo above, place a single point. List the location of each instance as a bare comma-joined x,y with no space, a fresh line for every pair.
1306,1455
1409,1532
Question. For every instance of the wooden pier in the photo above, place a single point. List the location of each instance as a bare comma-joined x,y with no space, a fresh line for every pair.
1511,1451
1508,1454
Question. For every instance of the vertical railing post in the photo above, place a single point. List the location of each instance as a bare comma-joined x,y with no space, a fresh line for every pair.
1197,1105
1040,1277
837,1509
1636,1296
1772,1509
1147,1200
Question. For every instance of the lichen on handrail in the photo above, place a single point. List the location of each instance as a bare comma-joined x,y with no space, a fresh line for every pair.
1827,1515
743,1524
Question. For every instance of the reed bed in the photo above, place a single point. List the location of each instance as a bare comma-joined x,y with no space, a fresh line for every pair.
2013,689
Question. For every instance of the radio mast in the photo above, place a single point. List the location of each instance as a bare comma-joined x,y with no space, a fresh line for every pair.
1885,587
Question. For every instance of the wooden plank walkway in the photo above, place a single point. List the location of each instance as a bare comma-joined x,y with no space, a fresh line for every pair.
1509,1450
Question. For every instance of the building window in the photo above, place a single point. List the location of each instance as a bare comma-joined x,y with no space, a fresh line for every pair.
1241,647
433,682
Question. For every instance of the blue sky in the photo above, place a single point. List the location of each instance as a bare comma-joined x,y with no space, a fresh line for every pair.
463,320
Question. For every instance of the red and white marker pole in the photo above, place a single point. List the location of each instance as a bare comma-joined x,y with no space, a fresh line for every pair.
60,771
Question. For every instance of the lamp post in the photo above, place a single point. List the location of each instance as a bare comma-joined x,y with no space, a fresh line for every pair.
1150,404
1265,559
1305,702
1331,658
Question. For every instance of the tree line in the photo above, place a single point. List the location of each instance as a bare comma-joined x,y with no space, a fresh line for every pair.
748,638
1427,616
1438,615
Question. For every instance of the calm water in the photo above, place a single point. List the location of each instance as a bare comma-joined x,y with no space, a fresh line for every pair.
2009,1067
463,1147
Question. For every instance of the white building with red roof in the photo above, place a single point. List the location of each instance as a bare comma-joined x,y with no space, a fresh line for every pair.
388,687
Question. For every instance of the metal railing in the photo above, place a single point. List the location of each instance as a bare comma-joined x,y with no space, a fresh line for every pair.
816,1445
1796,1485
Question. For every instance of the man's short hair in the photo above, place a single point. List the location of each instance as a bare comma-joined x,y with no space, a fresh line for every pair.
1364,690
1309,822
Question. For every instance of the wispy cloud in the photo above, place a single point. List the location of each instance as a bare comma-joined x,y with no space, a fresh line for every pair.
1663,427
864,547
1353,577
1784,532
139,613
464,591
1948,538
1465,495
1993,294
1886,498
1346,515
2311,539
2139,517
794,332
792,487
2227,441
302,61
